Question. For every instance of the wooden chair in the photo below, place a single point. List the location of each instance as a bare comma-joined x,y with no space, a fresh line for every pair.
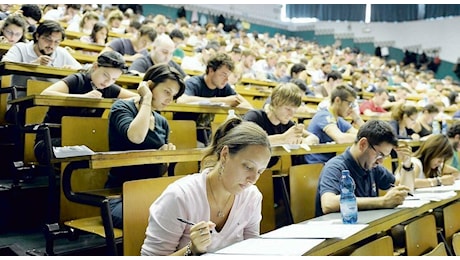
303,183
138,195
183,135
265,185
421,235
456,243
451,223
382,246
92,132
34,115
439,250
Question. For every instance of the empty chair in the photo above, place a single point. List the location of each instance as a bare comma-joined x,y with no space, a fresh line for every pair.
303,183
421,235
456,243
439,250
382,246
451,224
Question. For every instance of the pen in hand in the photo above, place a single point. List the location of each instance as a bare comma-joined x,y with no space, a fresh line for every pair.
410,194
189,223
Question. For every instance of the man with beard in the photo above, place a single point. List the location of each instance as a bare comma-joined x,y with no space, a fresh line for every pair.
43,50
211,87
330,124
374,142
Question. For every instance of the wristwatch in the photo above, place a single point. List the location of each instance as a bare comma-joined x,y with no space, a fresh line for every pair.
408,169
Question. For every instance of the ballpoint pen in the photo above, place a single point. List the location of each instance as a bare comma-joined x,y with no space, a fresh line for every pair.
410,194
188,222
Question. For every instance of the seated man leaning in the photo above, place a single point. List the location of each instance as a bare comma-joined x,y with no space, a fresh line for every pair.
374,142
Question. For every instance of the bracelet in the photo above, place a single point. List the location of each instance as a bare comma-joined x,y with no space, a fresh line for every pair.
438,180
408,169
188,249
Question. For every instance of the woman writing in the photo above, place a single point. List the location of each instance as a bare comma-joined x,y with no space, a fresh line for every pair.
136,125
428,163
222,200
97,83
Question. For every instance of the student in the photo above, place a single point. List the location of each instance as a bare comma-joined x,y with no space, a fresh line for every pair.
162,52
13,30
134,47
423,126
373,106
374,141
276,120
222,200
429,163
454,137
136,125
43,50
99,35
330,124
404,118
212,86
97,83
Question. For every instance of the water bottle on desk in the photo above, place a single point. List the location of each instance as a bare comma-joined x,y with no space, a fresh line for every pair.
348,204
436,127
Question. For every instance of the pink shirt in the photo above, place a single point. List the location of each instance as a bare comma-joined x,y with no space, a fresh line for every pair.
186,198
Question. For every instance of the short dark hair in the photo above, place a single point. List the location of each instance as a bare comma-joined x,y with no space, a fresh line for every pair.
176,33
298,67
454,130
219,60
48,27
161,72
377,132
33,11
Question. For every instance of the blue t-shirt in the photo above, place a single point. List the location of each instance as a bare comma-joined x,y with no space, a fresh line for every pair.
320,120
367,183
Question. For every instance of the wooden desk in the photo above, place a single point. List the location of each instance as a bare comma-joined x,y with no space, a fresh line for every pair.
378,220
257,82
46,100
8,68
79,45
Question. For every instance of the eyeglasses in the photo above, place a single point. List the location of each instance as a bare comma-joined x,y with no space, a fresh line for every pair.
380,155
351,104
50,40
11,33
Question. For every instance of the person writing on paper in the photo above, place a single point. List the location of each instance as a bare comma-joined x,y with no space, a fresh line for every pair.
211,87
276,120
97,83
374,142
136,124
429,164
222,199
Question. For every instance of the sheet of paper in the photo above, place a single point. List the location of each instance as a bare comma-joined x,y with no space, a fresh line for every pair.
72,151
434,196
266,246
413,203
316,229
454,187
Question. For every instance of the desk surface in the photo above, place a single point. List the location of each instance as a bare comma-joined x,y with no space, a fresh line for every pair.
7,68
46,100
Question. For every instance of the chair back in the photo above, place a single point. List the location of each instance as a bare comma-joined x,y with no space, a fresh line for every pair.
421,235
456,243
183,135
303,183
138,195
382,246
439,250
265,185
451,223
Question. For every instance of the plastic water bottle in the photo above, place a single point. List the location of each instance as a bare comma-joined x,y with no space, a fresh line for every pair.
435,126
348,204
444,127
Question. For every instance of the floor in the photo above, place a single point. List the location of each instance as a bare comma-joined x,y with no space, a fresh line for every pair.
22,235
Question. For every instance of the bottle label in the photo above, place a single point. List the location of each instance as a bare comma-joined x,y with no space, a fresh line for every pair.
349,211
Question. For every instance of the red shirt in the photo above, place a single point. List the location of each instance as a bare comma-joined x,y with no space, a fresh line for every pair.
369,104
